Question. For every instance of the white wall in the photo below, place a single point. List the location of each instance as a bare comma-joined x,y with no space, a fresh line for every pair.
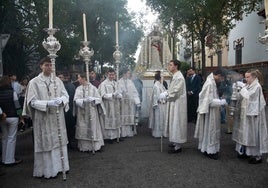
253,50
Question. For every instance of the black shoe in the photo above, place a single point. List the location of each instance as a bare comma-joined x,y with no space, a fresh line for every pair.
243,156
214,156
172,151
100,150
254,160
228,132
110,141
171,145
21,126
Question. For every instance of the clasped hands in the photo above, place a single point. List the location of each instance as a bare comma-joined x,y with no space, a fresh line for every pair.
89,99
163,95
55,102
118,95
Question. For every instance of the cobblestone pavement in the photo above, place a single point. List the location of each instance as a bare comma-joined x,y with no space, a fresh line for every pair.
138,162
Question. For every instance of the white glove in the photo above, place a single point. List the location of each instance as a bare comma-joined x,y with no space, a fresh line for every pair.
52,103
216,103
138,105
119,96
117,93
240,84
223,102
108,96
79,102
163,95
89,99
58,100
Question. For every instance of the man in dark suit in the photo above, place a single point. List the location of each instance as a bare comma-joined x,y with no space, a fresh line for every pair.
193,87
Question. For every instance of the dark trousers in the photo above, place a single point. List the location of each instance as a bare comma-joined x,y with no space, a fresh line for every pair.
192,104
70,127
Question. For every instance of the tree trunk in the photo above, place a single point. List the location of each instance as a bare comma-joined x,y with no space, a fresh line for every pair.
203,50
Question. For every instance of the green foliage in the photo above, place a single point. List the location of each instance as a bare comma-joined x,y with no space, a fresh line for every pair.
184,67
203,17
26,20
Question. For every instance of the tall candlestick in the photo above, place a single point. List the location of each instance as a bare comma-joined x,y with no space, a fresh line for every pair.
146,50
150,52
266,7
50,13
116,32
172,47
163,51
85,27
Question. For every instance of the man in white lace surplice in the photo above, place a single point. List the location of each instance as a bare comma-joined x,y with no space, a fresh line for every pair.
208,116
111,100
128,104
88,129
41,103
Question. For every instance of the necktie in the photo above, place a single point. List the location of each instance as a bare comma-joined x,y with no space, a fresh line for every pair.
192,78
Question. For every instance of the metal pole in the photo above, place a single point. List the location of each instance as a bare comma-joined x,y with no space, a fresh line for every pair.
86,54
117,56
52,45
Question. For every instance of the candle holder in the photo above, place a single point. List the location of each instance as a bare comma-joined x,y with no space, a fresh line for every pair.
52,45
86,54
117,56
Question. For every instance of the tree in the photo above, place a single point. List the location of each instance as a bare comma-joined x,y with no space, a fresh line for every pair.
26,20
203,17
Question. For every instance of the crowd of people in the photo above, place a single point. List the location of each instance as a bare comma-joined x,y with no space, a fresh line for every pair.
207,106
89,113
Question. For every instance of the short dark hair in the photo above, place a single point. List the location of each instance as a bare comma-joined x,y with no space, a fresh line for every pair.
83,75
193,68
177,63
125,70
12,74
220,72
111,70
45,59
157,75
5,81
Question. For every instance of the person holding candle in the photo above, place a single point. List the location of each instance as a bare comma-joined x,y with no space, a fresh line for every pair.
88,129
45,102
111,100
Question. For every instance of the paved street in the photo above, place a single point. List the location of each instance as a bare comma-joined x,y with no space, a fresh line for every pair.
138,162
